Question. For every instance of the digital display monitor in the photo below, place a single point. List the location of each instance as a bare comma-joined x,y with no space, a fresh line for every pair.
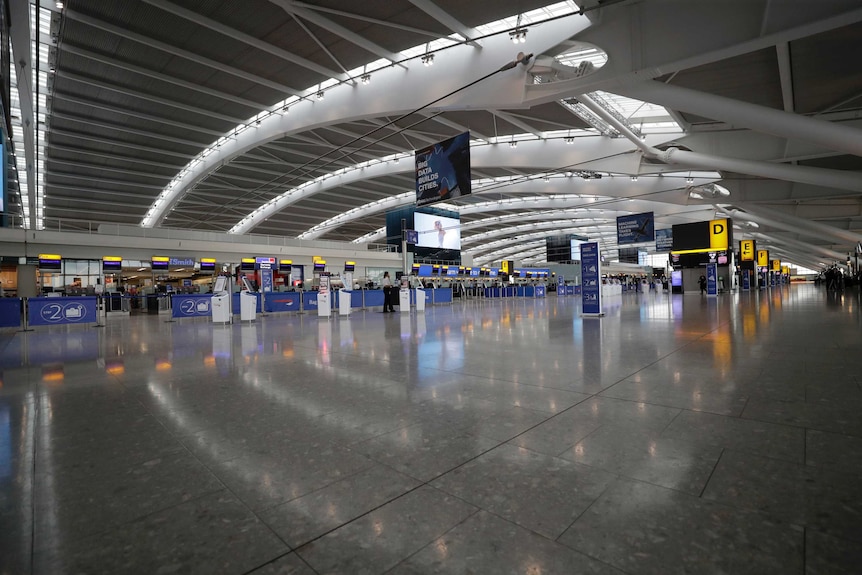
285,265
220,284
676,278
160,263
247,264
722,260
50,262
208,264
112,264
319,266
437,231
575,249
443,170
349,266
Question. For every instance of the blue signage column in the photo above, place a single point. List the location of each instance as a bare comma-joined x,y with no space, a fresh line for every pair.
711,279
746,280
591,279
561,285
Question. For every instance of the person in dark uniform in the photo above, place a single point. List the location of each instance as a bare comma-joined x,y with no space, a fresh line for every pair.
702,283
387,293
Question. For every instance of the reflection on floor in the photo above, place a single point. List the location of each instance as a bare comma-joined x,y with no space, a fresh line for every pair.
678,434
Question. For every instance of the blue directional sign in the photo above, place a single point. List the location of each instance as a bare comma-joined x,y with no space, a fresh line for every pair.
591,279
711,279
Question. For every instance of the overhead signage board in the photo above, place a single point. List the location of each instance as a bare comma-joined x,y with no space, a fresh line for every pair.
443,170
636,228
762,258
181,262
719,232
663,240
411,237
776,265
159,263
746,250
701,237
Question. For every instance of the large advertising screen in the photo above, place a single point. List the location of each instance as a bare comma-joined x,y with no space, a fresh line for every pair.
636,228
437,231
443,170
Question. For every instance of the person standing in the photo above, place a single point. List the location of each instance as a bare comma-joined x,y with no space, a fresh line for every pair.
387,293
702,282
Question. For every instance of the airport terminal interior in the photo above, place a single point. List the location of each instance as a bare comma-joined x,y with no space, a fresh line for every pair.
430,286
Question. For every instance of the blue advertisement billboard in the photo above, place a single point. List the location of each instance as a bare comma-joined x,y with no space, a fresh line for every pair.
591,279
443,170
636,228
664,240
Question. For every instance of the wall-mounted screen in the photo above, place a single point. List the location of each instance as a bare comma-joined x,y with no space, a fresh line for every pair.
319,266
285,265
349,266
50,262
112,264
160,263
247,264
437,231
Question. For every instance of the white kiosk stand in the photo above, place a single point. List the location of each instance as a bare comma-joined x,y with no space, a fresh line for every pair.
247,302
324,303
345,295
404,295
420,299
221,301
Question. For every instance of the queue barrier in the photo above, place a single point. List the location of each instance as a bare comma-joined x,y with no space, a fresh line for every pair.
191,305
11,309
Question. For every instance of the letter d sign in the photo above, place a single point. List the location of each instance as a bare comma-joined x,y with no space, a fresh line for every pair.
718,239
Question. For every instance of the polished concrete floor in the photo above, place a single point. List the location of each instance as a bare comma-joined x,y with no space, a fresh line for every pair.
677,434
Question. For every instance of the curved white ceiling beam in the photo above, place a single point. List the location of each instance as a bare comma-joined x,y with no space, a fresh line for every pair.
517,240
384,97
552,154
559,183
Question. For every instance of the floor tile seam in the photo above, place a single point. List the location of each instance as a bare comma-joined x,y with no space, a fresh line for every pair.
711,473
421,483
558,455
426,545
666,406
274,559
139,518
327,485
805,427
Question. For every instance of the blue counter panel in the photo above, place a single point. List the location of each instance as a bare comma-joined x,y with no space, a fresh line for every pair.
191,305
287,301
374,298
529,291
356,298
309,301
10,312
443,295
539,291
62,310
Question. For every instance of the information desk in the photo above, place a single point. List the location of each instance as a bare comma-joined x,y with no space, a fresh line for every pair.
10,312
62,310
191,305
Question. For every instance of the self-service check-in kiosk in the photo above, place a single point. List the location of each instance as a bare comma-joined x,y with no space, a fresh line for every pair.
221,300
324,303
404,295
247,302
420,299
346,293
